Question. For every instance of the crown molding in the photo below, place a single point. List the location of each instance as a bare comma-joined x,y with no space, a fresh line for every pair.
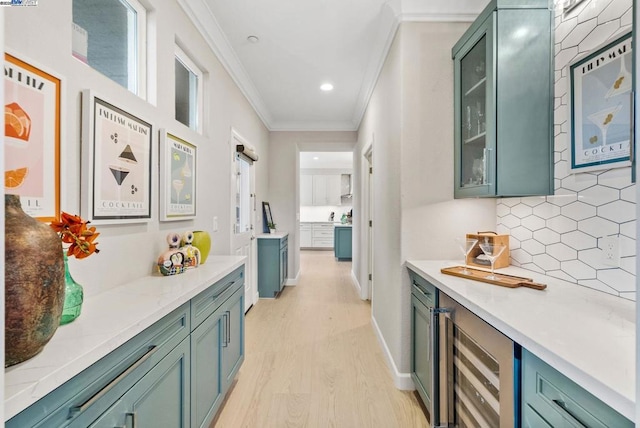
206,23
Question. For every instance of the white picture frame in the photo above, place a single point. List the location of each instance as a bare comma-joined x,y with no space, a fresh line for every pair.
178,178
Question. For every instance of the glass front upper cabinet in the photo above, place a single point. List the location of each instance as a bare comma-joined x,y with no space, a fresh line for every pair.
503,102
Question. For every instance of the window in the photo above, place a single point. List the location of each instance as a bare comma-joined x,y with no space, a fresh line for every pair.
188,91
110,36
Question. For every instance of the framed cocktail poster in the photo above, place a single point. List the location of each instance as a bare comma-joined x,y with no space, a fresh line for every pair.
32,138
116,168
178,166
600,106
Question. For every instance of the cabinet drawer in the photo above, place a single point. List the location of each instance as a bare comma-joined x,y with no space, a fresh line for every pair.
560,401
423,289
205,303
305,226
323,233
96,388
323,242
323,226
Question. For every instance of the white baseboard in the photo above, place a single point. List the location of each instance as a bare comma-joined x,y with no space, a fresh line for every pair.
402,381
292,281
356,283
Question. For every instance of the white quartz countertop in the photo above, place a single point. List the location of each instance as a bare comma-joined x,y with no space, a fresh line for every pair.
587,335
277,235
108,320
344,225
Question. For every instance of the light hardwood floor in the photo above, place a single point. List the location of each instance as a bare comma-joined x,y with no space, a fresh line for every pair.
312,359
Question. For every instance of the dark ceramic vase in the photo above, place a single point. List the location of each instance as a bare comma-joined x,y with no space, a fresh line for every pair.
33,281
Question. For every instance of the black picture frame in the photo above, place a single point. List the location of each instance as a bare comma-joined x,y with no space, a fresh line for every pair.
267,217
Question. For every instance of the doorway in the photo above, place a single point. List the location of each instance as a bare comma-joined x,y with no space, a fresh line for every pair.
326,196
243,205
367,287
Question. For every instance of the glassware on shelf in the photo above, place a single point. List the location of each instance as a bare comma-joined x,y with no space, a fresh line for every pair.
492,251
480,117
602,120
468,122
466,245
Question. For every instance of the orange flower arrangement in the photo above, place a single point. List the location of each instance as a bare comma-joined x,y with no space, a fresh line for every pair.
73,230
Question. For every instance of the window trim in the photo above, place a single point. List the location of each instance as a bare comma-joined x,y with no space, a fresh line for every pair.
198,109
138,68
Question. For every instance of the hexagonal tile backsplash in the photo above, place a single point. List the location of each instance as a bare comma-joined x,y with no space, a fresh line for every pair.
561,235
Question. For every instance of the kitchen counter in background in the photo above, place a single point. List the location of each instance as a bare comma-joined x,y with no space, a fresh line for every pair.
108,320
587,335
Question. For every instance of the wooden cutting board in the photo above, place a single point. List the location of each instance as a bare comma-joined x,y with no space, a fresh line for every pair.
502,279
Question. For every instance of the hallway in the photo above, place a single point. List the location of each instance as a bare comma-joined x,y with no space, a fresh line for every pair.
312,359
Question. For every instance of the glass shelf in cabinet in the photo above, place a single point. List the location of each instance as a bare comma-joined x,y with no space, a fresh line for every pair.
476,138
475,87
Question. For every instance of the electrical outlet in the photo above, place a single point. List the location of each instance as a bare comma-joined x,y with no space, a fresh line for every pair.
611,251
215,224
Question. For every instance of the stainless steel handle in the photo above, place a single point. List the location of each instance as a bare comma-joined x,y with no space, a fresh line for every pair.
419,287
84,406
134,418
229,327
632,143
435,360
563,409
485,157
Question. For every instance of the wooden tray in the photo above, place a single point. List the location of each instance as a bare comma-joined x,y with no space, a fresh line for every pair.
502,279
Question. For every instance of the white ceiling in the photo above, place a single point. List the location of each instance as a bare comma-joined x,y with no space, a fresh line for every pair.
333,160
305,43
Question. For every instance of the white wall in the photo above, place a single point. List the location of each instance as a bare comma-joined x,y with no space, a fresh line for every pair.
284,180
410,121
561,235
42,35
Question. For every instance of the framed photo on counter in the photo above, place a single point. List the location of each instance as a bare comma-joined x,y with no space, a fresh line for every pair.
600,105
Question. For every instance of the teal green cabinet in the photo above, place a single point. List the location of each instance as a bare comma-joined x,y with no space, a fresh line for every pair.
503,86
217,351
423,339
174,374
342,237
273,264
550,399
165,387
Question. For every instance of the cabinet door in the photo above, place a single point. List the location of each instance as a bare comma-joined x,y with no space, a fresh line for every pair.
233,339
475,150
421,350
334,190
320,190
206,385
306,190
305,237
164,391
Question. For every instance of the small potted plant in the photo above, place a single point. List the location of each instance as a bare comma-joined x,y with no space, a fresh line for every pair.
272,227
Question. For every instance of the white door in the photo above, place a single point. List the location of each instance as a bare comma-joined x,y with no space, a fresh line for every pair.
243,203
367,289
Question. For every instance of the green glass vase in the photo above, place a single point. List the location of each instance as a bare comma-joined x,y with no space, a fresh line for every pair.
73,296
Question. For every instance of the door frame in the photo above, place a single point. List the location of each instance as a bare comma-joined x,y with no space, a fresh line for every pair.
366,288
251,273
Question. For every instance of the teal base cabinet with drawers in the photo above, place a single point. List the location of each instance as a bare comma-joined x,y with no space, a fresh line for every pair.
551,400
174,374
273,264
342,237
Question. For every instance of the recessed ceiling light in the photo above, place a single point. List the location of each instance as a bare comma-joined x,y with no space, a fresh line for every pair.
316,158
326,87
253,39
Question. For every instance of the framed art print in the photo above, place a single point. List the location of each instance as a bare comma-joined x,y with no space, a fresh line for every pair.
116,167
178,167
600,100
32,138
